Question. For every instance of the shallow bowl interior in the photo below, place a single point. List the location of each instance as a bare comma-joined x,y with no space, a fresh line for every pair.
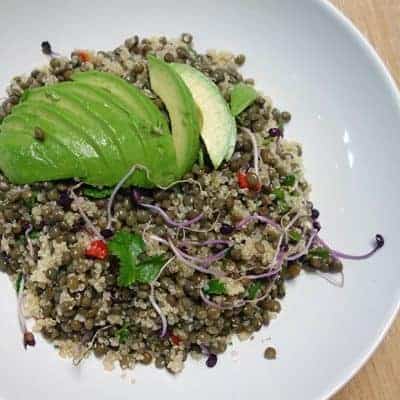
311,61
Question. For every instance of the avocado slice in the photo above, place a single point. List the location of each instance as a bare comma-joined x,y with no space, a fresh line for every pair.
56,137
92,130
24,159
218,129
90,133
155,144
185,121
139,143
128,96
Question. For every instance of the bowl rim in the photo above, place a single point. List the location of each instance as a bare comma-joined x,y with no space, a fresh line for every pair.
347,25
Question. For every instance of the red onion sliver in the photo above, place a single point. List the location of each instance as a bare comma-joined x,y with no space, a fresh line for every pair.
164,324
256,217
272,272
255,149
190,264
118,186
346,256
211,242
20,299
88,223
306,248
210,303
29,241
206,261
170,221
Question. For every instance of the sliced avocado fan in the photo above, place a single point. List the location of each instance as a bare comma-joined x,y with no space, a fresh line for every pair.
94,128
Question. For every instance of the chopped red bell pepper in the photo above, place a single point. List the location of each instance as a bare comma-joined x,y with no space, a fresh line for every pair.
242,180
84,55
257,188
176,340
97,249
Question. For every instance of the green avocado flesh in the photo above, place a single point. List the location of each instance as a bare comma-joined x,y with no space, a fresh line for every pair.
183,112
95,129
242,96
218,125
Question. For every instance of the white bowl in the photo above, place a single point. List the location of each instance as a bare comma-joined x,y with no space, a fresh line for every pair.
313,62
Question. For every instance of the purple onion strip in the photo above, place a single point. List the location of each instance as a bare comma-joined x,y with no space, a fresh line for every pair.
20,299
211,242
181,257
29,241
88,222
255,149
256,217
210,303
206,261
164,323
170,221
271,271
116,189
306,249
346,256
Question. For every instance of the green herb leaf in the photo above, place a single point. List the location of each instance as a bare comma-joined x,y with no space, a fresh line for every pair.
127,247
253,289
123,334
18,282
148,269
34,234
321,252
283,207
214,286
242,96
97,193
294,236
289,180
279,194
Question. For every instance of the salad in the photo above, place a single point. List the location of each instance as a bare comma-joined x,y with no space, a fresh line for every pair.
151,207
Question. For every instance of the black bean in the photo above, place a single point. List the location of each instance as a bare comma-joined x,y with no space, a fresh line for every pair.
380,241
275,132
314,213
227,229
211,360
46,48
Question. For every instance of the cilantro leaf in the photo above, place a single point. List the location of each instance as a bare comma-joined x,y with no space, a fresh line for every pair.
253,289
97,193
214,286
148,269
319,252
126,247
123,334
289,180
294,236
